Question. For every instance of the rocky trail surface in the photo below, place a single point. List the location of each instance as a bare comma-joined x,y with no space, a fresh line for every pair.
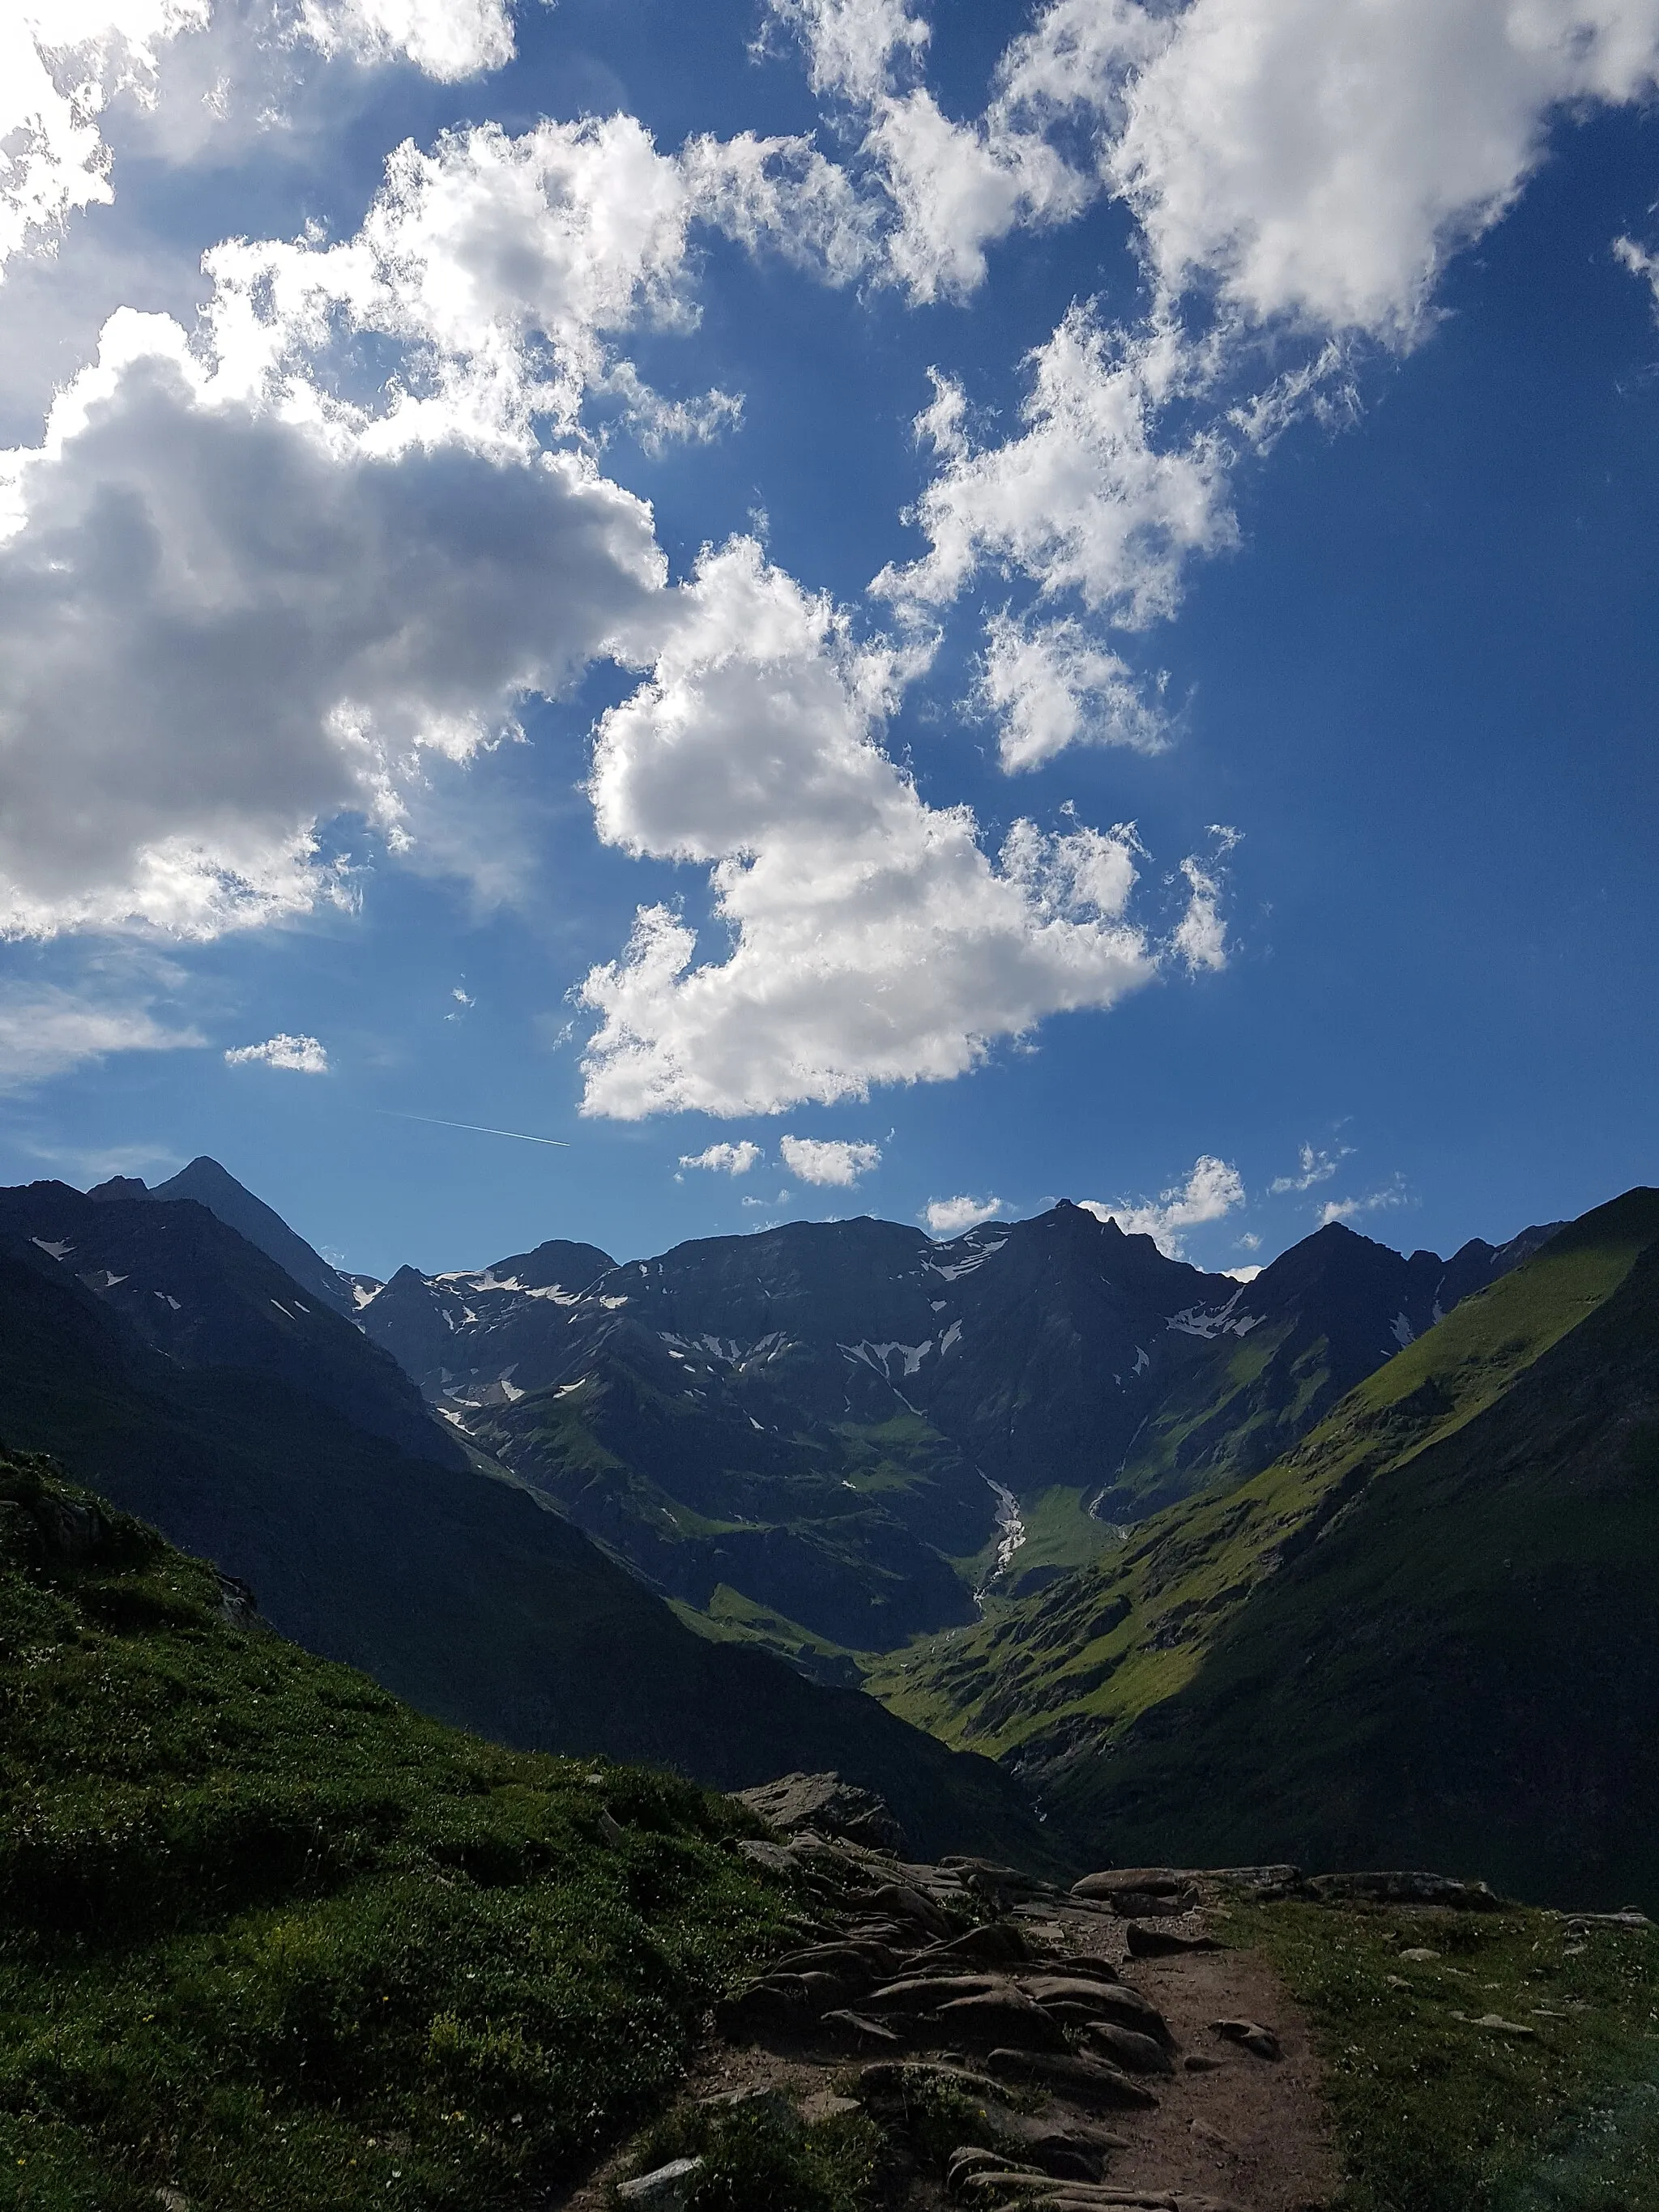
1014,2046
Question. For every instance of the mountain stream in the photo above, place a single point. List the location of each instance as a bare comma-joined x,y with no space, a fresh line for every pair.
1010,1531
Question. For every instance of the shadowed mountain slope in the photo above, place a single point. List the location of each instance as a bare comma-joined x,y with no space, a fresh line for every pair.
830,1437
458,1591
1426,1636
213,1187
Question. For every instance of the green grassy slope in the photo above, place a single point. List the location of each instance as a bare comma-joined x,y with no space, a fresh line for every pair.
1435,2113
1428,1632
848,1528
462,1595
268,1938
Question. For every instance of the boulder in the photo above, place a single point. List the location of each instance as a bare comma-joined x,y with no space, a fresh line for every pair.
1156,1881
663,2190
1151,1942
1249,2035
1081,2004
920,1993
899,1901
829,1806
998,1943
1152,1904
856,2030
894,2083
1126,2047
1088,2081
998,2016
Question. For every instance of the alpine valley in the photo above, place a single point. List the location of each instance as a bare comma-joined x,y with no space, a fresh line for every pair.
971,1565
1037,1531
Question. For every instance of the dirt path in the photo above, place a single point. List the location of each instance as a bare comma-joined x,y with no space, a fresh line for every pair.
1252,2131
1231,2132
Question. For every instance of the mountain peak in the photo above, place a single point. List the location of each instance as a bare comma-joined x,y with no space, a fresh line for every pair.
214,1187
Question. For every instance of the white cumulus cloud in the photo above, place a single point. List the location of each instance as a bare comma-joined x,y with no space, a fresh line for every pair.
234,622
301,1055
1211,1190
1319,160
1084,499
63,61
725,1159
447,38
871,937
830,1160
949,1216
1050,685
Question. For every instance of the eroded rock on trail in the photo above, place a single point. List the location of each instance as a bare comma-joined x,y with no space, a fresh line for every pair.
1011,2050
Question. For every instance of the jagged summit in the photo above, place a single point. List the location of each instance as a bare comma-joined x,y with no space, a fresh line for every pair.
233,1204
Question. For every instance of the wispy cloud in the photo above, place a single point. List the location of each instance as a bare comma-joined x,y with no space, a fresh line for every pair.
1376,1201
1313,1167
44,1031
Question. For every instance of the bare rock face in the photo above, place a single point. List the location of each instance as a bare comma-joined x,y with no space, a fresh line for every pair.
828,1806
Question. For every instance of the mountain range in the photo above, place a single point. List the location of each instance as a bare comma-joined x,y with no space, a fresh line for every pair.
833,1436
1091,1554
171,1365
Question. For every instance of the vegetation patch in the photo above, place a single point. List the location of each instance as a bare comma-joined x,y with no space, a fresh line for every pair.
760,2155
1515,2070
271,1940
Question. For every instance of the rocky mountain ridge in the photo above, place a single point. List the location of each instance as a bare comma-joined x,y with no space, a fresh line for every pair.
832,1437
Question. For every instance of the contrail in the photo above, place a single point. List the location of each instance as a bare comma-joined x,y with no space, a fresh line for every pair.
477,1128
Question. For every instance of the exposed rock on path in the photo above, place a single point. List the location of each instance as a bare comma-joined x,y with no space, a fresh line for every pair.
964,1989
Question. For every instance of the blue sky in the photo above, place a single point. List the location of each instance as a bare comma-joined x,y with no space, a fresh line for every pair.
476,555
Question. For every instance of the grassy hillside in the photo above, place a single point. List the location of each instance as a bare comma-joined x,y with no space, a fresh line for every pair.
1428,1632
461,1594
1555,2110
269,1939
847,1528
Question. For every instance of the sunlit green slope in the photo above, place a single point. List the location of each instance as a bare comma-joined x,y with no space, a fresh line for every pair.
1430,1631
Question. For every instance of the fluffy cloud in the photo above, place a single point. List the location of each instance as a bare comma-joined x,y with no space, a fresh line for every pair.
1312,1167
1319,159
725,1159
47,1030
871,940
951,188
949,1216
852,46
563,237
62,62
232,622
301,1055
1084,500
830,1160
1211,1191
1049,686
447,38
